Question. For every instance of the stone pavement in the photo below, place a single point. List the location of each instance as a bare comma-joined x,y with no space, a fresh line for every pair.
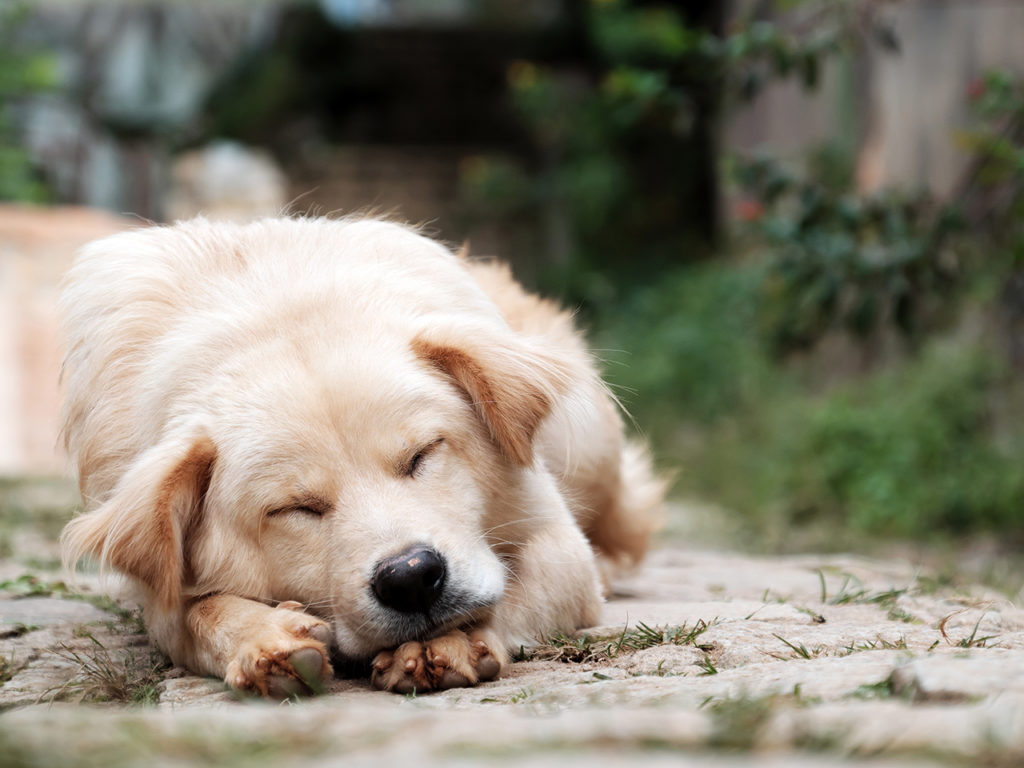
720,658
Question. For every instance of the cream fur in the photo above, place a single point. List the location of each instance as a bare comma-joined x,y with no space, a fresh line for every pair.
222,381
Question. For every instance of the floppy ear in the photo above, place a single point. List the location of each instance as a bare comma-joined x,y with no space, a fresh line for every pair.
510,384
140,530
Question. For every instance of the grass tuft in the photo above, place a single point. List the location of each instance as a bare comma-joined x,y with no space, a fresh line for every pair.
878,644
799,649
104,675
707,667
576,649
853,592
972,640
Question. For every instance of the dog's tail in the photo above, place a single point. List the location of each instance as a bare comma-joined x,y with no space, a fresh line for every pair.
623,532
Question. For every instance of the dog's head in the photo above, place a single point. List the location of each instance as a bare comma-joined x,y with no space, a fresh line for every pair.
378,478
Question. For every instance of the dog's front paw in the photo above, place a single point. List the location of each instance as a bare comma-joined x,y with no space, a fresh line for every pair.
455,660
285,656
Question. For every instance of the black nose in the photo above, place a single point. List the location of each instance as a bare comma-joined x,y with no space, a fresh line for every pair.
410,582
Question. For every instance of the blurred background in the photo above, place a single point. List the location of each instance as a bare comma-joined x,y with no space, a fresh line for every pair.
793,228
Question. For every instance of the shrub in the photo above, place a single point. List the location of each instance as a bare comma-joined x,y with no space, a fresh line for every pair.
693,350
918,451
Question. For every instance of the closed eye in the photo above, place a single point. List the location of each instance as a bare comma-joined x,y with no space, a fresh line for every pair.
310,507
300,510
417,459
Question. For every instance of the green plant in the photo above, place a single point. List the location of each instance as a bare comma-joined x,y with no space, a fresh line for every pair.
520,696
994,183
841,260
691,347
884,598
852,591
586,648
105,675
970,641
799,649
707,667
878,644
911,450
917,450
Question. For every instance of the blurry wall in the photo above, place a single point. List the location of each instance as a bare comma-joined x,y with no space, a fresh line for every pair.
919,100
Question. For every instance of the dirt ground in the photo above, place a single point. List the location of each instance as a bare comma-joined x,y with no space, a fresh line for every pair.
710,658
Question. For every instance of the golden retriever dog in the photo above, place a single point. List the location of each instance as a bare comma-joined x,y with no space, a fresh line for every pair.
306,436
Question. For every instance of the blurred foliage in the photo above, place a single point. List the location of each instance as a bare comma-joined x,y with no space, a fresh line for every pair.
866,264
682,349
999,143
841,260
925,443
910,451
926,447
23,71
993,191
915,451
624,178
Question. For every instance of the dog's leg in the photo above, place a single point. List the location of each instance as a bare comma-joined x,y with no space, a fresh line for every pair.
552,586
276,652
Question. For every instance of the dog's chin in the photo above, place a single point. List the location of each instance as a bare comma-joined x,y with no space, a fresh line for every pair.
389,628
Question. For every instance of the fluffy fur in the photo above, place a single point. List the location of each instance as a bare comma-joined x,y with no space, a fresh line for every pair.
261,414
